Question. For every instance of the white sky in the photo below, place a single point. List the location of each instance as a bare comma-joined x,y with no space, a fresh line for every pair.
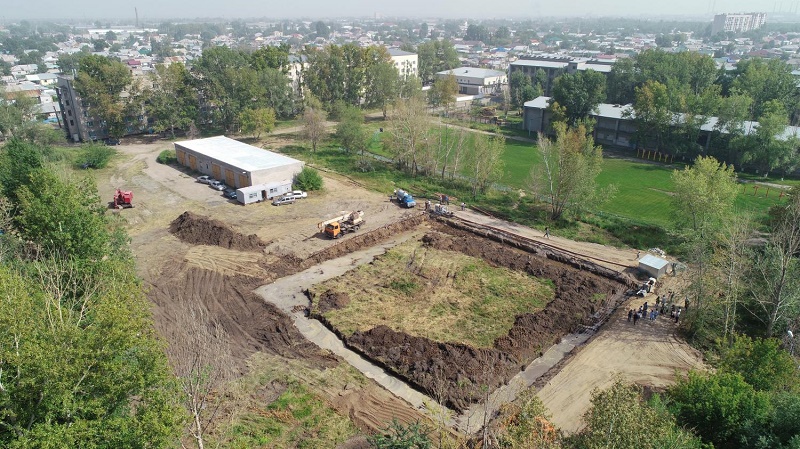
321,9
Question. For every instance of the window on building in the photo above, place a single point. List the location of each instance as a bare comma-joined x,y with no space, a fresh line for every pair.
69,112
72,123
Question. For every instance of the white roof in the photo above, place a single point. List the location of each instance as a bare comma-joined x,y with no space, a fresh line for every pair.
538,103
653,261
473,72
612,110
238,154
538,63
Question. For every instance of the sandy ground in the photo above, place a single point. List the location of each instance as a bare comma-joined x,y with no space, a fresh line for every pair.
648,354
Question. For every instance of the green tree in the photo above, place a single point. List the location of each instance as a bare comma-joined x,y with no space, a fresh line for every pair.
580,93
651,113
722,408
486,161
766,148
325,74
17,113
408,137
568,172
436,56
619,418
271,57
761,362
18,161
308,179
621,82
383,86
443,92
774,283
314,129
351,132
521,90
100,83
226,83
172,103
477,32
257,121
764,80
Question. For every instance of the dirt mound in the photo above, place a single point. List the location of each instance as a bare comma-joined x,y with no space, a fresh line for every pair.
200,230
428,364
331,300
247,322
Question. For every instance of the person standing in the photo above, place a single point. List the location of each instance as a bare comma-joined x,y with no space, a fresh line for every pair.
463,206
547,232
630,314
635,318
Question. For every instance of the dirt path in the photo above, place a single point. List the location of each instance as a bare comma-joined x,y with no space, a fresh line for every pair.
610,257
648,353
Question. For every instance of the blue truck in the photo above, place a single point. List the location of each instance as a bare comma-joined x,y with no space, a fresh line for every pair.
404,198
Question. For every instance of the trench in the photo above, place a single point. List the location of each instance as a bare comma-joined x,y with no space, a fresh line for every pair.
288,294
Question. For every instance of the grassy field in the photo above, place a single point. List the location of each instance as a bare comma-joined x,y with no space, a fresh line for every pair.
440,295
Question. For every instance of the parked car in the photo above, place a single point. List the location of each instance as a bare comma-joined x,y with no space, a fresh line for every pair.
112,141
230,193
205,179
281,200
217,185
297,194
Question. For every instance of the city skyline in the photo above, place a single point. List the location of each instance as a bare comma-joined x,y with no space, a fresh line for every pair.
319,9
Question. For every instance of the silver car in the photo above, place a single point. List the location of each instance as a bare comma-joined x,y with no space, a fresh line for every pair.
281,200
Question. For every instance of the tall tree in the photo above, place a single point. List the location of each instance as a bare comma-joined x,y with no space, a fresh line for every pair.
766,147
226,84
651,113
350,130
409,134
436,56
257,121
764,80
621,82
580,93
314,129
172,103
568,172
100,82
443,92
382,85
486,161
774,280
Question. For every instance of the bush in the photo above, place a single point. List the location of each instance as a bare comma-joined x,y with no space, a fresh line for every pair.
167,157
308,179
95,156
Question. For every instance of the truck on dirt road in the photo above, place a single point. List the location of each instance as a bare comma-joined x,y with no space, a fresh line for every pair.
344,223
403,198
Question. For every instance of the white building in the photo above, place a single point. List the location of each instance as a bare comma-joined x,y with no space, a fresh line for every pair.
238,164
404,62
475,81
738,23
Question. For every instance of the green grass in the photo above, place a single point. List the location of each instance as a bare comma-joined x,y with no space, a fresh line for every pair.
296,419
442,295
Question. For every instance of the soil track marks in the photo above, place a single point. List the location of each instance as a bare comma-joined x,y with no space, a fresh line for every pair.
455,373
250,324
200,230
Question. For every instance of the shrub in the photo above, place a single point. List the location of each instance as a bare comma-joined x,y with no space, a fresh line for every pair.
95,156
167,157
308,179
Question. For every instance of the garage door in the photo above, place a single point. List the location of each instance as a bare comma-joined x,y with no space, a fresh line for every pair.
192,162
181,156
229,177
216,171
243,182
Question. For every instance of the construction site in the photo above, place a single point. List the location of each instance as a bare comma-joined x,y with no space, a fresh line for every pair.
395,314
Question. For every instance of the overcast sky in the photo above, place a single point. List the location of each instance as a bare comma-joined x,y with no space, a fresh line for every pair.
321,9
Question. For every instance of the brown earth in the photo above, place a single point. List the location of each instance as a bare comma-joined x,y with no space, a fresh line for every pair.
199,230
330,300
428,364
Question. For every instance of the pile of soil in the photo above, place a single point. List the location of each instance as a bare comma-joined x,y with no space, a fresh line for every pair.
331,300
427,364
200,230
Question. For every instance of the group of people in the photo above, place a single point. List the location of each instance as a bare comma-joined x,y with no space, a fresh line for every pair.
659,309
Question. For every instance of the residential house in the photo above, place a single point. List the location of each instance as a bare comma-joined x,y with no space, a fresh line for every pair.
476,81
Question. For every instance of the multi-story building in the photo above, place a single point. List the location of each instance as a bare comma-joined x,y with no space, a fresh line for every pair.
405,62
79,125
554,66
738,23
475,81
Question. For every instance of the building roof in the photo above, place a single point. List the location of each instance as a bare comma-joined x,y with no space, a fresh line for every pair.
473,72
237,154
612,110
538,63
538,103
652,261
398,52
